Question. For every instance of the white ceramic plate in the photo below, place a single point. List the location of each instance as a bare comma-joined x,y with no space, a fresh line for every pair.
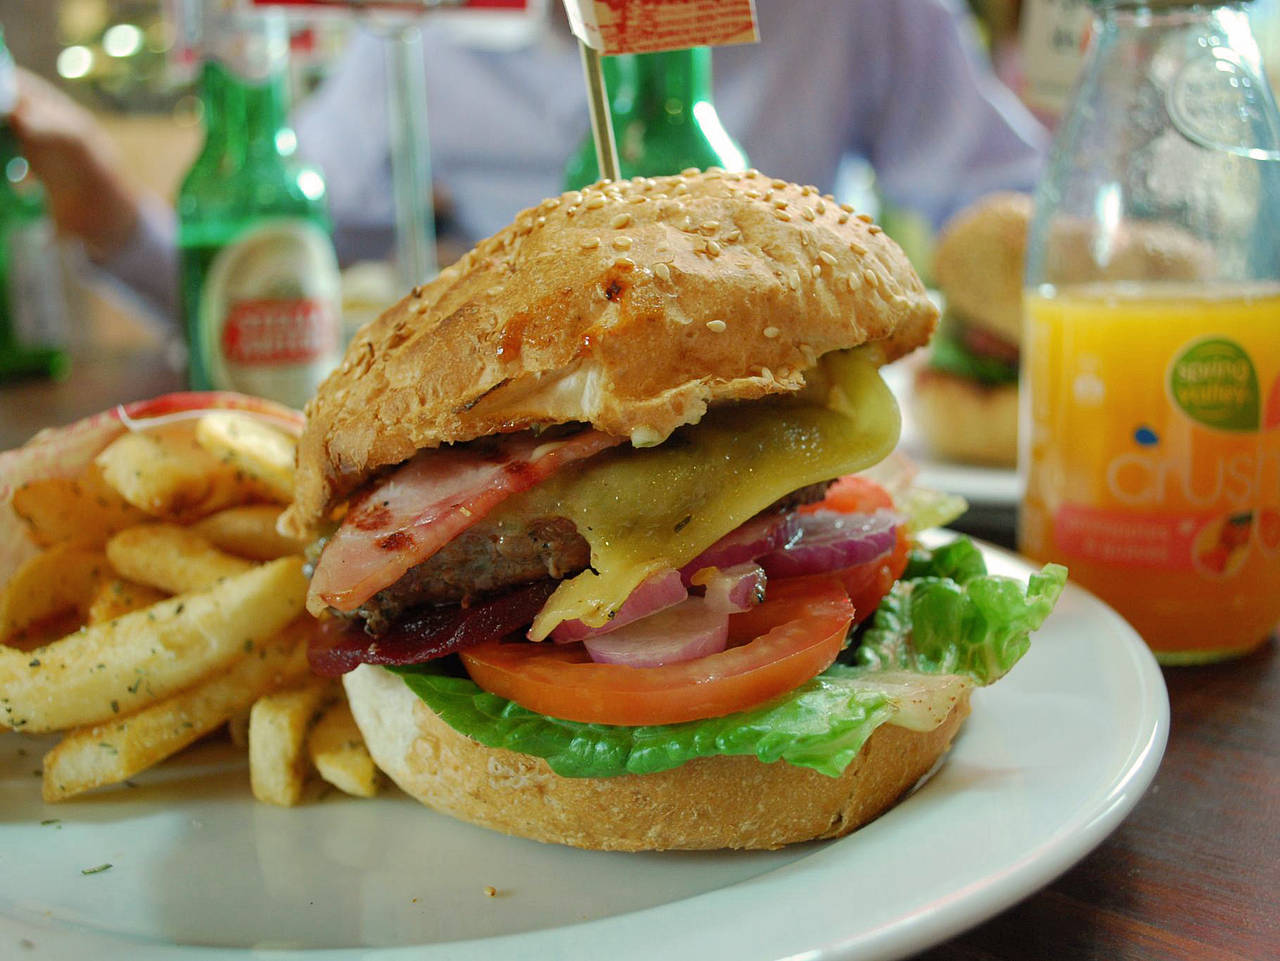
1051,760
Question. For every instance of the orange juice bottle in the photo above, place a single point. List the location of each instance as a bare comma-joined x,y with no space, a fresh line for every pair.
1151,358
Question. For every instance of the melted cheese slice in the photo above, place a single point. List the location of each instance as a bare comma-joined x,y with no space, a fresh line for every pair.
646,509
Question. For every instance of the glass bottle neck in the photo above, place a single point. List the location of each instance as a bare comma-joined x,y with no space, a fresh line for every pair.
665,83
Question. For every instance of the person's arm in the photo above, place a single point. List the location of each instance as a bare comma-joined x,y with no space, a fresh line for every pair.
946,130
127,233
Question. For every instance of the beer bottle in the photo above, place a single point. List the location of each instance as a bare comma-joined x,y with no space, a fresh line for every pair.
33,309
260,284
663,118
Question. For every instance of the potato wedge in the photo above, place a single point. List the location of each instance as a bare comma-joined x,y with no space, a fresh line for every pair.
248,531
118,596
84,509
122,665
260,451
164,472
278,726
338,752
171,558
54,585
108,753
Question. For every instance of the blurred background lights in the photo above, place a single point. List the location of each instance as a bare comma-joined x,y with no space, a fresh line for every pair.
75,62
122,40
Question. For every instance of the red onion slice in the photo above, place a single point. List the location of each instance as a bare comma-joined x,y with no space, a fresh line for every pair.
761,535
830,541
733,589
655,593
692,628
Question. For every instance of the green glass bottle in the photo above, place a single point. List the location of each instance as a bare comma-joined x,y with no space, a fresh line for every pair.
33,308
664,119
261,291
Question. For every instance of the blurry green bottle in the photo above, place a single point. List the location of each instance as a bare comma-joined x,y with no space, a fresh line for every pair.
663,118
261,291
33,309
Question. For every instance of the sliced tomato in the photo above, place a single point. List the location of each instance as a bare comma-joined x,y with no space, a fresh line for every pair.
852,494
775,647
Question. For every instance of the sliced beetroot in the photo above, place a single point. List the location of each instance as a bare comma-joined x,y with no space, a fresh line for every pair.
424,634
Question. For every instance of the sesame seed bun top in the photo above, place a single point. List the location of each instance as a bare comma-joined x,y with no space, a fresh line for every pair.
629,305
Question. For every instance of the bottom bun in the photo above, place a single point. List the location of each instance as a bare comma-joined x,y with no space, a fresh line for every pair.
719,802
963,420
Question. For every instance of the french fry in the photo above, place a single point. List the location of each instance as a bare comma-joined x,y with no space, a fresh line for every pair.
248,531
53,586
118,596
278,726
172,558
107,753
117,667
164,472
84,509
264,454
339,754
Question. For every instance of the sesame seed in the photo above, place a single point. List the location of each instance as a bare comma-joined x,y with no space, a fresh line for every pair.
663,271
847,208
780,204
751,173
857,248
680,188
820,207
733,237
591,243
626,263
806,190
752,194
620,221
639,199
817,270
596,202
794,280
551,203
621,243
827,257
870,277
843,219
733,176
710,226
782,215
807,213
540,221
771,332
713,169
713,248
690,172
853,283
716,326
875,229
865,218
777,184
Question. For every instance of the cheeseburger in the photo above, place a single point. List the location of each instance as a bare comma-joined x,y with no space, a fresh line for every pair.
965,397
576,548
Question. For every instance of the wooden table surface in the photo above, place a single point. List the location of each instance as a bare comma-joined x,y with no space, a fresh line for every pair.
1193,873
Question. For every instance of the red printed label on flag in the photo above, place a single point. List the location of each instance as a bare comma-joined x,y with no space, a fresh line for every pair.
270,331
645,26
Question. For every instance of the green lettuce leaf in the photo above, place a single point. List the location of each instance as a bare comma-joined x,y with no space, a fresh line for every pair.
950,627
947,352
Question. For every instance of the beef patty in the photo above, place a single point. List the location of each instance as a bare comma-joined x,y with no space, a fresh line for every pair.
489,558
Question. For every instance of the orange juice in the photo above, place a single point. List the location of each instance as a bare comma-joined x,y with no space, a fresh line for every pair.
1151,427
